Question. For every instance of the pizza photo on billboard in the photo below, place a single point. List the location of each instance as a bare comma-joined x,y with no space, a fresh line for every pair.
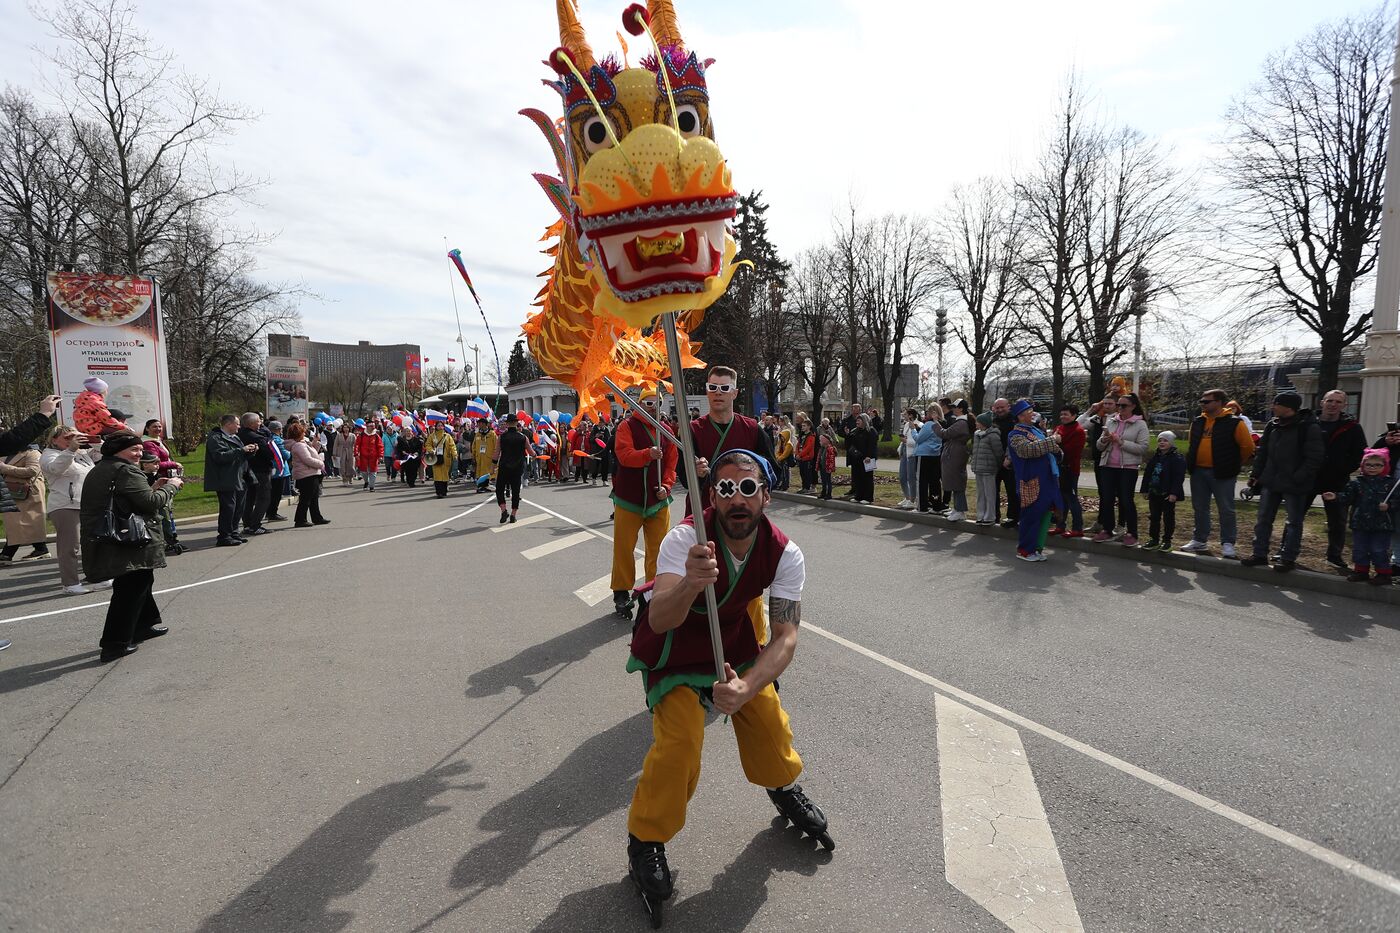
101,299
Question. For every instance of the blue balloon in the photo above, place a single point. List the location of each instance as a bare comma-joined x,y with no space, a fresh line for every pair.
565,417
359,422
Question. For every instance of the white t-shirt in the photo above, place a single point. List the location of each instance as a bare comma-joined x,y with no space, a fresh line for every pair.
787,582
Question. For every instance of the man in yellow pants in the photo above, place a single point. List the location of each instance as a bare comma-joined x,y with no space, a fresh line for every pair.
485,452
745,556
641,498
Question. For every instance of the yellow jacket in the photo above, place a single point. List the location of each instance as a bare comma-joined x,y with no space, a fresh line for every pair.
442,470
784,446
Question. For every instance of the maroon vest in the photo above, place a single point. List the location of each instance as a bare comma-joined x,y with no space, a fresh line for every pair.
710,442
635,487
683,655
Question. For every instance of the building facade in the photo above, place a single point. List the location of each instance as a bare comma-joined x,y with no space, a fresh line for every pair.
389,362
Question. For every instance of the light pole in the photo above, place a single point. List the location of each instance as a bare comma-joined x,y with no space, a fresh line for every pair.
940,337
1380,379
476,369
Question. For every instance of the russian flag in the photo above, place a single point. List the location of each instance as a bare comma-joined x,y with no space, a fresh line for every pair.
477,408
434,415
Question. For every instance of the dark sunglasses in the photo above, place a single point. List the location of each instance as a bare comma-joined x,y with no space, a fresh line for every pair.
747,487
1125,404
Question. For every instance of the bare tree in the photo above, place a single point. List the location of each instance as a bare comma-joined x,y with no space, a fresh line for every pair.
816,324
144,126
1135,213
773,339
440,379
1305,169
849,245
898,276
1050,195
980,242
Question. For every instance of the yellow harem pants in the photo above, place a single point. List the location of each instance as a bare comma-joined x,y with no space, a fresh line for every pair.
626,524
484,467
672,767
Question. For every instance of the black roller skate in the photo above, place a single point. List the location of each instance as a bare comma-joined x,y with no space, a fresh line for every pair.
622,604
646,866
805,815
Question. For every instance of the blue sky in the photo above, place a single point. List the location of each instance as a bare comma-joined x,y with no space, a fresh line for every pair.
384,129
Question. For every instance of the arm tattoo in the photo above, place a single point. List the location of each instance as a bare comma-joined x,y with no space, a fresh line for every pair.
784,611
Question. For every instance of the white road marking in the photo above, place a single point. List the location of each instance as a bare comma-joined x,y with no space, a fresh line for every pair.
601,588
519,522
576,524
1380,879
998,848
558,544
244,573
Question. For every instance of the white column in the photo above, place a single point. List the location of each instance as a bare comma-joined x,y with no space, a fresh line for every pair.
1380,379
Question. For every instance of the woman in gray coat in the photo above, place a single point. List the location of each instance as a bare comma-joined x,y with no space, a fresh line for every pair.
132,615
956,432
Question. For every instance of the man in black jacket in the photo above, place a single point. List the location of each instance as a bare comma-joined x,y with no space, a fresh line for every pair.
225,468
255,503
1285,473
1005,421
1343,441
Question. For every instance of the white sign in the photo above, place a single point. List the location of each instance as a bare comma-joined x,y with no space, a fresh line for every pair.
286,388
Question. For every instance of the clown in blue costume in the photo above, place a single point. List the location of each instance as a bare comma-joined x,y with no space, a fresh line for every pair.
1035,460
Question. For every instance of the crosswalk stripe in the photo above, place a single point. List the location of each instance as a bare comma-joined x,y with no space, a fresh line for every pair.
520,521
600,589
998,847
558,544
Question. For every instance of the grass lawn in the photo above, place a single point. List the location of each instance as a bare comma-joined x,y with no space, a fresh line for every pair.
1314,550
192,499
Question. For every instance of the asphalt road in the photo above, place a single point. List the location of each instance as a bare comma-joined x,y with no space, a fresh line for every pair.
399,722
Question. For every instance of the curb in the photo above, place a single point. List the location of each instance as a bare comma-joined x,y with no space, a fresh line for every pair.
1298,580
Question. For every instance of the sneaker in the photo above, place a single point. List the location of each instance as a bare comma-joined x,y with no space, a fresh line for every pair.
1358,576
1283,566
1095,528
1127,540
104,585
955,516
1010,523
77,590
1026,556
1382,579
1041,556
1195,546
1336,561
1227,551
1254,561
1166,546
1074,534
904,504
1152,544
1101,537
1055,532
35,555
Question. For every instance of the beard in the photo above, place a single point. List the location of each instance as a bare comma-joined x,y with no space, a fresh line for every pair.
740,526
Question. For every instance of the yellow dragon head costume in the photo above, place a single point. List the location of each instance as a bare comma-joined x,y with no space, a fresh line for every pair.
645,202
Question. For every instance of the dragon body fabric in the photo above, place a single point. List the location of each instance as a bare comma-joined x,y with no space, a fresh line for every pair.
644,200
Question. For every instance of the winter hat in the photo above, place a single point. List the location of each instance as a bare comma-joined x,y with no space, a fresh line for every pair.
1289,400
93,384
116,443
985,419
1020,406
1167,436
1377,453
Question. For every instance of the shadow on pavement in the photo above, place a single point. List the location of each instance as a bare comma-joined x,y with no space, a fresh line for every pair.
731,903
31,675
574,645
296,893
1325,616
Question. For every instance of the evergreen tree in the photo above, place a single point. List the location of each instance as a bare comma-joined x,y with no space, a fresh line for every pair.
521,366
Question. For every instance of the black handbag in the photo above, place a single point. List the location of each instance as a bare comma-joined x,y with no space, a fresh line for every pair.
128,532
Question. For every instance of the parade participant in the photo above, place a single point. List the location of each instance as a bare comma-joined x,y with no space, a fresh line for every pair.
369,450
646,471
485,451
439,451
723,428
1034,460
345,453
746,555
391,444
410,455
514,448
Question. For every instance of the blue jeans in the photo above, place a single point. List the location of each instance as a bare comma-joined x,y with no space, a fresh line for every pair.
1074,510
1370,549
1295,506
1205,486
908,483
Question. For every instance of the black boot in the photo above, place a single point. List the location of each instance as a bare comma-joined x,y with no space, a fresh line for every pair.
793,804
646,863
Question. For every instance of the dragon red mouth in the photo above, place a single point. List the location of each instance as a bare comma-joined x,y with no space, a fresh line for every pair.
662,248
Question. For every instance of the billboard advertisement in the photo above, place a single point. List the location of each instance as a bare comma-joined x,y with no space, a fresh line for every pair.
286,388
413,372
109,327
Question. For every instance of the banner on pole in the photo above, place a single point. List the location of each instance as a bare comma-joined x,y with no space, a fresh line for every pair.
109,326
286,388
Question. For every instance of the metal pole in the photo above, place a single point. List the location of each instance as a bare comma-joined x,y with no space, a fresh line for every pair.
476,369
646,416
1380,379
692,482
1137,350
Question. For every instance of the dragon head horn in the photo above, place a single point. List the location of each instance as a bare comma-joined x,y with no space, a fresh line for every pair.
572,37
663,23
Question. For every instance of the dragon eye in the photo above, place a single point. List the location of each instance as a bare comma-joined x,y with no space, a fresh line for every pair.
688,119
595,135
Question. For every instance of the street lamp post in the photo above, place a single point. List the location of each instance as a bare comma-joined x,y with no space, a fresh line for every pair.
940,337
476,369
1380,379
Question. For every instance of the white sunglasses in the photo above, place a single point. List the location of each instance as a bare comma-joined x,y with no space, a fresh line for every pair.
718,386
747,487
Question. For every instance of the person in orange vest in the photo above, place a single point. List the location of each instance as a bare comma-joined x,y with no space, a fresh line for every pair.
641,498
